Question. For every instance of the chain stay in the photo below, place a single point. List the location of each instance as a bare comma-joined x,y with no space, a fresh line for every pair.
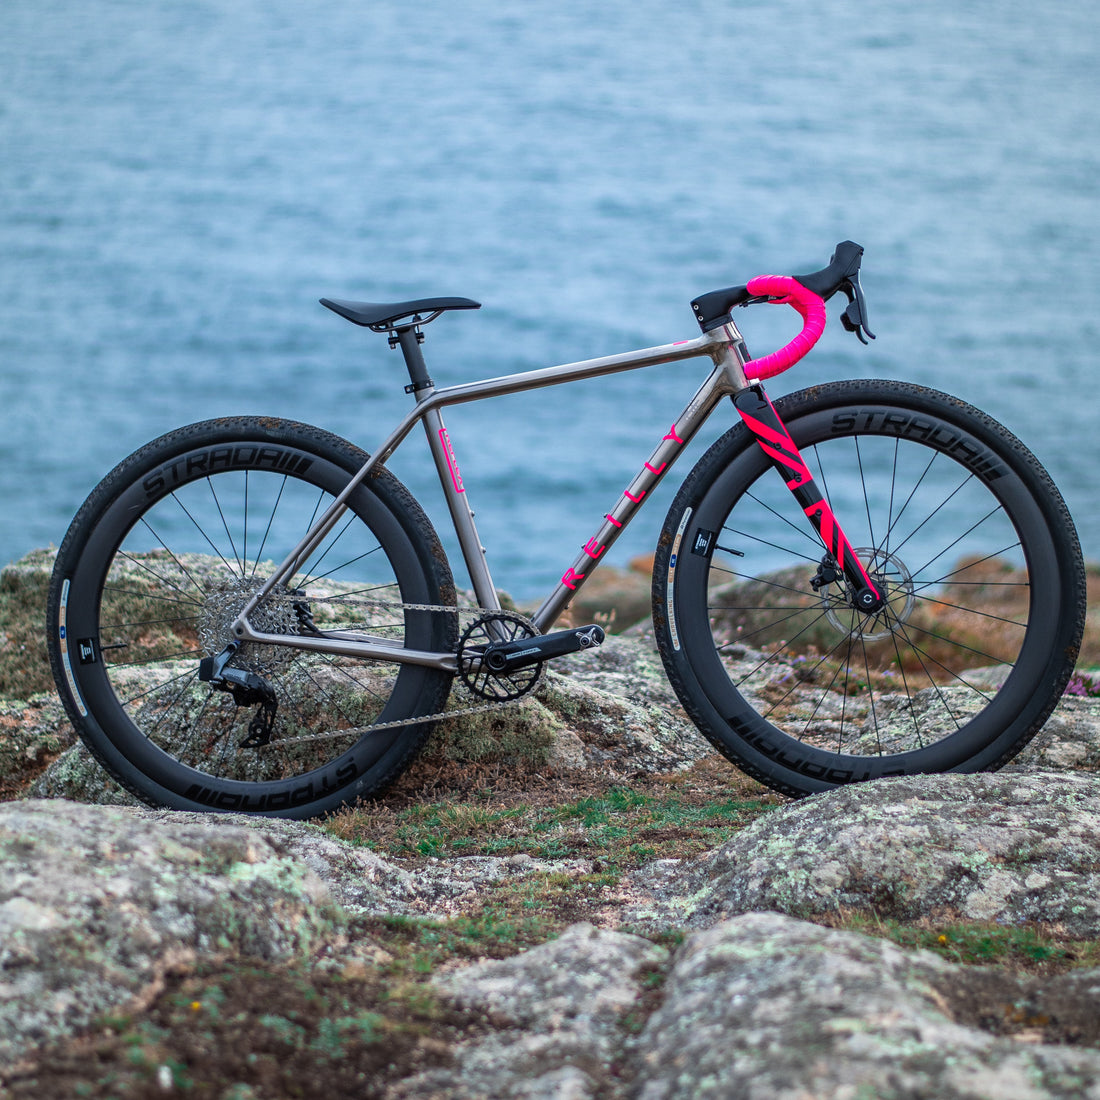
361,731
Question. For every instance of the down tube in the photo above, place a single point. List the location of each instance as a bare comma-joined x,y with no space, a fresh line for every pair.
645,481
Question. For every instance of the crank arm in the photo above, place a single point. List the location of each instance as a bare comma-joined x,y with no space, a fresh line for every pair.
504,657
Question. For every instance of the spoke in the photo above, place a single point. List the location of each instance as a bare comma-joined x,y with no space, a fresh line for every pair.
227,744
769,657
890,507
765,580
202,531
946,578
159,577
225,524
185,677
302,669
972,611
313,577
764,542
313,574
185,601
968,531
935,511
870,692
197,723
905,688
768,606
866,499
954,642
775,623
244,550
270,521
331,662
809,534
794,686
909,498
825,692
147,622
954,676
159,659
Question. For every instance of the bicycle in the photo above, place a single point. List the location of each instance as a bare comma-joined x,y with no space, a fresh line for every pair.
863,579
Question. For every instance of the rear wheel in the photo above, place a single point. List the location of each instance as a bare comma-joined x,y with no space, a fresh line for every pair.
950,514
158,564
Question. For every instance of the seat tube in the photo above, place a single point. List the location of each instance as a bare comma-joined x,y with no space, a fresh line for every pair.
439,442
462,515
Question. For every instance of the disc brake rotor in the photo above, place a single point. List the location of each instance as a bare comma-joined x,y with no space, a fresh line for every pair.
892,578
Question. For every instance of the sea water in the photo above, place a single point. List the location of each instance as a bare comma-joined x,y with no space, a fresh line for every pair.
181,180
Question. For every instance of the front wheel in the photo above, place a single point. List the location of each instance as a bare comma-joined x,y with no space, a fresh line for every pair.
161,560
950,515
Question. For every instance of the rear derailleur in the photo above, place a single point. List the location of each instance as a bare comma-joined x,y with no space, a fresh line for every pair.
247,689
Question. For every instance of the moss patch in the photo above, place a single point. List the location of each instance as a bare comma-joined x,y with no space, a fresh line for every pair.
24,663
249,1031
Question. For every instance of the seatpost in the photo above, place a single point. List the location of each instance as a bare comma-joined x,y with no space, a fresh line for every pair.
410,339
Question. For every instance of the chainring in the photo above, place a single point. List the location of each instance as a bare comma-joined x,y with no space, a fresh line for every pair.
480,680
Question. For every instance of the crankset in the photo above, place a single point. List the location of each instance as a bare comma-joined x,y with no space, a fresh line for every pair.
501,653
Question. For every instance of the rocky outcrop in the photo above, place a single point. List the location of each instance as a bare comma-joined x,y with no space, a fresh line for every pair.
693,977
764,1005
1069,740
612,710
557,1016
761,1005
1010,847
98,904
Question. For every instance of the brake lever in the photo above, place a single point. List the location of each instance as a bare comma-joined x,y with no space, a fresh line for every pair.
854,317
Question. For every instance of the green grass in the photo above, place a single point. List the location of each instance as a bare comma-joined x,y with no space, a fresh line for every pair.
620,829
1025,948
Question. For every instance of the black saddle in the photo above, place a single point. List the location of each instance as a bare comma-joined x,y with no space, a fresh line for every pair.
383,316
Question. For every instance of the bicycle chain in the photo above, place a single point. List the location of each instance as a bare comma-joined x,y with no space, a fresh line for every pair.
361,731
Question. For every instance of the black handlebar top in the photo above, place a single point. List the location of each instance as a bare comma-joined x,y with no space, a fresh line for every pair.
713,309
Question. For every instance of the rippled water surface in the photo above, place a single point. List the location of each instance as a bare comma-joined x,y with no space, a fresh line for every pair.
182,181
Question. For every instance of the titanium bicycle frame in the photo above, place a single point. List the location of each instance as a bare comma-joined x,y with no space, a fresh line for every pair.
724,346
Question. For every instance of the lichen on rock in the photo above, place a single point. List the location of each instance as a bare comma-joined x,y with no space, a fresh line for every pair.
1012,847
96,903
556,1012
766,1005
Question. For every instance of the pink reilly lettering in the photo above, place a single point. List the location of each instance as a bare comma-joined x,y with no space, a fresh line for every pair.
592,550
